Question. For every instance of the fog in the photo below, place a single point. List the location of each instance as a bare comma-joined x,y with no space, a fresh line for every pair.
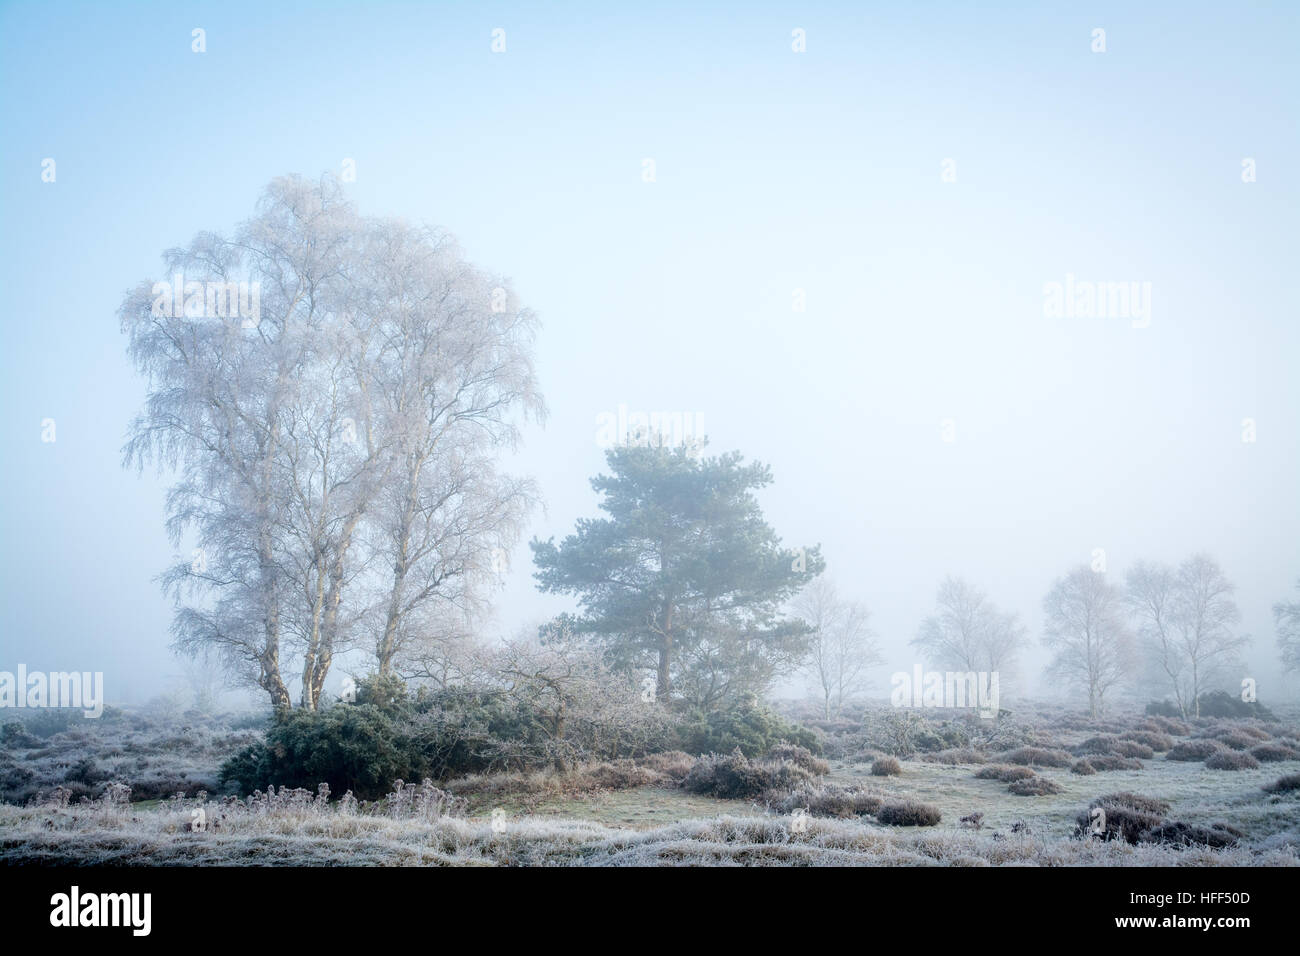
838,267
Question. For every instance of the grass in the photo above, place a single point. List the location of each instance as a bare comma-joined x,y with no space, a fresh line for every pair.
637,813
160,837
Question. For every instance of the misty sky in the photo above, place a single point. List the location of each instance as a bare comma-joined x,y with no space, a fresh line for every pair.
775,171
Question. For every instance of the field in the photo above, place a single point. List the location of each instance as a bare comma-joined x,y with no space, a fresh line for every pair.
67,802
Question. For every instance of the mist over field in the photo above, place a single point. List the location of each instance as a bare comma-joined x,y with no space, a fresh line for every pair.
613,421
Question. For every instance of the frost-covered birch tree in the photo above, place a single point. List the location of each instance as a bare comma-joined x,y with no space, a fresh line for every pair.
1085,627
335,450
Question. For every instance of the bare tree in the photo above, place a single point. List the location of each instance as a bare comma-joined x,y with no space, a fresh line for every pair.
968,632
1186,618
453,368
1206,615
583,708
1085,628
336,449
1151,600
221,390
843,645
1287,618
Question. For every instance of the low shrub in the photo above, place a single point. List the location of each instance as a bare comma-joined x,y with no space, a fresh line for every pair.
1170,725
827,801
1125,816
673,764
1259,733
1104,763
1234,739
1219,703
1287,784
1157,740
734,776
1036,757
1134,750
1034,787
1004,772
747,726
908,813
1271,753
1193,750
1184,834
14,736
886,767
800,757
1098,745
1231,760
1137,801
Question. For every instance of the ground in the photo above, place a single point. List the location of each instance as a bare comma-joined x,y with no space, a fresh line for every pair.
551,818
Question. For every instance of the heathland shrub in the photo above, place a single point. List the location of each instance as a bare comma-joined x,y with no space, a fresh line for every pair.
908,813
1133,749
1234,739
827,801
1103,763
747,726
1125,816
1287,784
1231,760
356,747
1137,801
390,732
886,767
1217,836
1259,733
1004,772
800,757
1098,745
674,764
1219,703
1193,750
1271,753
1156,740
1166,725
622,774
1034,787
734,776
1111,745
14,736
1036,757
935,737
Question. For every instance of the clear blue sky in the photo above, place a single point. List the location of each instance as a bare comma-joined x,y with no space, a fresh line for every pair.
775,171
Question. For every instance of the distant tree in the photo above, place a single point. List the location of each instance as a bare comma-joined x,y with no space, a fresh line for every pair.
843,646
1287,618
968,632
1185,618
1085,627
684,577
